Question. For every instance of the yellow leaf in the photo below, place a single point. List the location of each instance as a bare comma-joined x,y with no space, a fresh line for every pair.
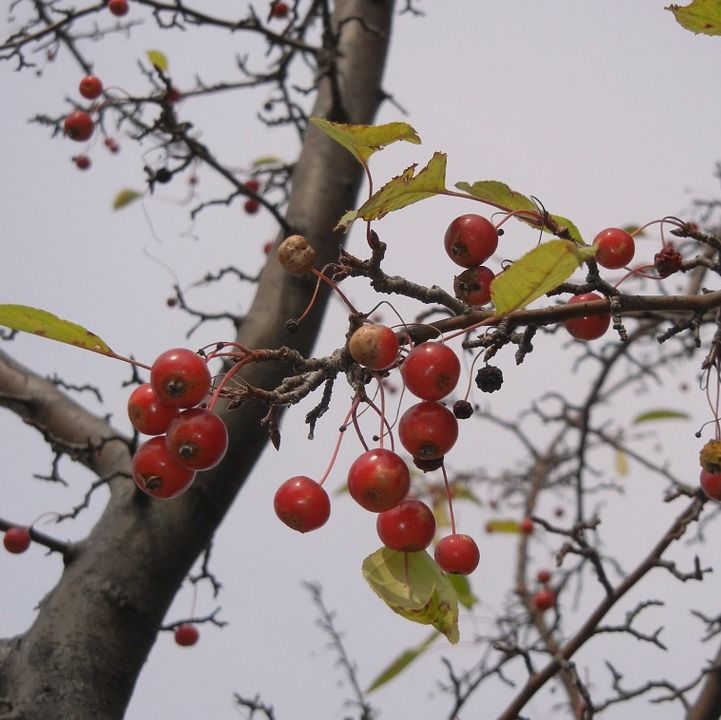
41,322
158,59
363,140
700,16
621,463
536,273
125,197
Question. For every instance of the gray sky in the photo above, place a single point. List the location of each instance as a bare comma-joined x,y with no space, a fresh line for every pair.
606,110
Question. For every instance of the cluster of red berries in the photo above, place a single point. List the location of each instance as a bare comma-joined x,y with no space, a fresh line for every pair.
251,205
187,438
544,598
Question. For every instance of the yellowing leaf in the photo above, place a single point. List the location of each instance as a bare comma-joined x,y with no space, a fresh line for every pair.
498,194
621,463
158,59
125,197
503,526
661,414
463,590
413,585
402,662
363,140
267,160
536,273
404,190
700,16
40,322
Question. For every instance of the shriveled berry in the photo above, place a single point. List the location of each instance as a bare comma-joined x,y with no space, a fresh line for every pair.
163,175
667,261
428,465
296,255
462,409
489,378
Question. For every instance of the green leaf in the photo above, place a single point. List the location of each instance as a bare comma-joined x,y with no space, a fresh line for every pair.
660,414
402,662
363,140
700,16
40,322
499,195
463,590
536,273
267,160
403,190
413,585
125,197
158,59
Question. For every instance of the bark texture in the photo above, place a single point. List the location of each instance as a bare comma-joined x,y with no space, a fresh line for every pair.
81,657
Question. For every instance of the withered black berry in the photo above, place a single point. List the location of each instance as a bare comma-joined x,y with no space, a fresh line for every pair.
489,378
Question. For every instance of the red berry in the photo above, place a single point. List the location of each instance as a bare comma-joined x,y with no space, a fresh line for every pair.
279,10
112,145
587,327
180,377
156,473
378,480
470,240
428,430
473,286
268,247
711,484
79,126
91,87
251,206
526,526
431,370
457,554
147,414
172,96
374,346
543,576
253,185
302,504
17,540
197,439
82,162
186,635
408,527
118,7
544,599
615,248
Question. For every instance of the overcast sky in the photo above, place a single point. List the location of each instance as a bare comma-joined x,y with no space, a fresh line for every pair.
606,110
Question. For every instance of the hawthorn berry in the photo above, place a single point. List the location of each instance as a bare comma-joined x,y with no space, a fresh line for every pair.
428,430
82,162
197,439
172,96
544,599
112,145
526,526
470,240
374,346
90,87
408,527
543,576
587,327
147,414
251,206
711,484
473,286
78,126
302,504
17,540
462,409
180,377
296,255
163,175
457,554
157,473
489,378
118,7
279,10
615,248
667,261
186,635
268,247
253,185
431,370
378,480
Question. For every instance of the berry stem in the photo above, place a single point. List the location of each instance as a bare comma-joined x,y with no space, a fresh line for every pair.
451,515
339,440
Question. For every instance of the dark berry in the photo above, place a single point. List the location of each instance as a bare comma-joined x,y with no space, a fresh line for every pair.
489,379
462,409
667,261
163,175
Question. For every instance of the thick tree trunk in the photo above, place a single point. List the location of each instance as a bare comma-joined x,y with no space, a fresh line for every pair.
94,630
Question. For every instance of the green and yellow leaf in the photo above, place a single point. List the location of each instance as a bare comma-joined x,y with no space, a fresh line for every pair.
158,59
536,273
125,197
512,527
413,585
363,140
463,590
40,322
660,414
700,16
621,463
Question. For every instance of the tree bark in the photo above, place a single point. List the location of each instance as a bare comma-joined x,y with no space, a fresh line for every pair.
95,628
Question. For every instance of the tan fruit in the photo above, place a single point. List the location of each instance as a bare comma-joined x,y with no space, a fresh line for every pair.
296,255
